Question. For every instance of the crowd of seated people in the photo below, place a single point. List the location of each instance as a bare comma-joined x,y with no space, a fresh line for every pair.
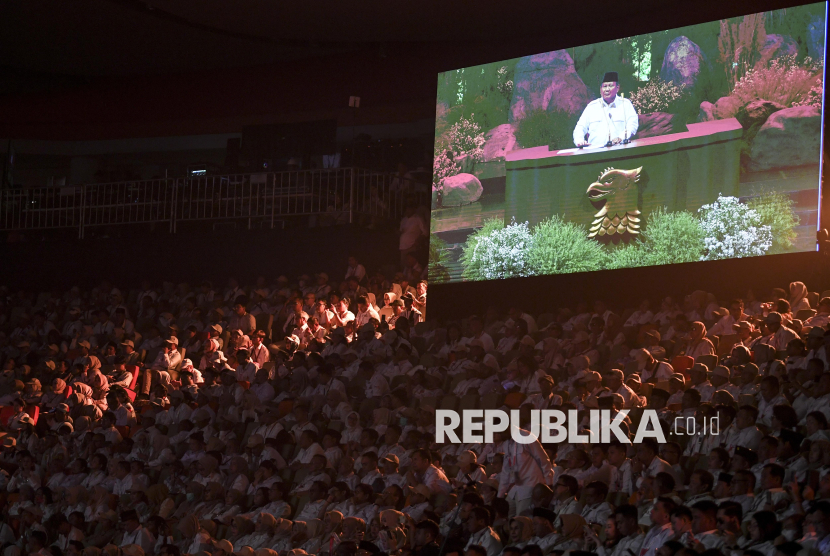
298,417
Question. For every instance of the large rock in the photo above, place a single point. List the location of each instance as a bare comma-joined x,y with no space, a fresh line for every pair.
777,46
756,112
655,123
682,62
500,141
461,189
724,107
789,137
815,38
547,82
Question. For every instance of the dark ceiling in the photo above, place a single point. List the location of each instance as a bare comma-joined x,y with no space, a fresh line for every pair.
120,68
128,37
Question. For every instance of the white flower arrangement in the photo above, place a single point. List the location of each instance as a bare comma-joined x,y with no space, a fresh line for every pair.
502,252
732,230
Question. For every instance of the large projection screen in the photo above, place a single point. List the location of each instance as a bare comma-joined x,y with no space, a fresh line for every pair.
693,144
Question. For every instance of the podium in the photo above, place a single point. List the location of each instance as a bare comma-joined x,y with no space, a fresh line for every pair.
680,171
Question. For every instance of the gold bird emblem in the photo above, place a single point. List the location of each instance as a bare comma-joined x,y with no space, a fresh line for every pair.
619,214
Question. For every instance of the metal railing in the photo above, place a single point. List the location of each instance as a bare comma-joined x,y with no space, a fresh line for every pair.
260,199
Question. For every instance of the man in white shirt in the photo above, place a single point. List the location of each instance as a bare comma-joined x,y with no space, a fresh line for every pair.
777,335
480,533
609,119
259,351
365,311
423,472
661,530
134,533
726,323
355,269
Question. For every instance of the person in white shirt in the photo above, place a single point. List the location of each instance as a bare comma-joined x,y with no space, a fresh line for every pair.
726,323
480,533
246,369
423,472
134,533
775,333
308,449
609,119
259,351
365,311
342,315
661,530
355,269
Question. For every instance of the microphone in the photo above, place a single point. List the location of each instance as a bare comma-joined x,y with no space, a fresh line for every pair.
625,140
609,143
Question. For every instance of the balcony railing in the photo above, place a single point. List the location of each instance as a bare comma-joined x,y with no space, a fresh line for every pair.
260,200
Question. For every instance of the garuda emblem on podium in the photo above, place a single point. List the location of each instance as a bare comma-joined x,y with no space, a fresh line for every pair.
619,214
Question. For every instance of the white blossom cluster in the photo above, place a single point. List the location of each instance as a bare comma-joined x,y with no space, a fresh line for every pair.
656,96
466,138
732,230
501,254
505,86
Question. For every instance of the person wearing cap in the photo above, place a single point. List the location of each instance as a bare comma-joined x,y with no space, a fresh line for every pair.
545,398
389,466
775,333
650,369
610,118
131,356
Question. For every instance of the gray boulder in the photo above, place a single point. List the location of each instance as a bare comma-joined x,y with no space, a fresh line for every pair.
777,46
815,38
724,107
789,137
655,123
756,112
547,82
500,141
461,189
682,62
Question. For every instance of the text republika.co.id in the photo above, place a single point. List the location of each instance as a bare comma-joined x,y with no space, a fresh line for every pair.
554,426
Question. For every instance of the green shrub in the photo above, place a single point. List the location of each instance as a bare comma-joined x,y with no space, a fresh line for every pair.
776,211
561,247
673,237
438,260
667,238
473,268
546,127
